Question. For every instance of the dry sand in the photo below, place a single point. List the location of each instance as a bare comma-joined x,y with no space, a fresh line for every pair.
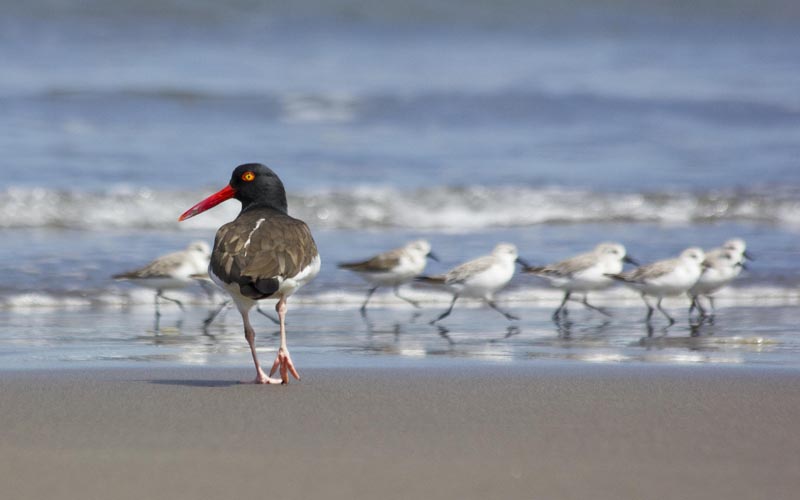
563,431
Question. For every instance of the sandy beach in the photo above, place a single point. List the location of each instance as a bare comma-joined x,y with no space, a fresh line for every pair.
545,430
552,126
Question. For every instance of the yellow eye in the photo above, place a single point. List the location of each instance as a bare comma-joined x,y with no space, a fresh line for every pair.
248,176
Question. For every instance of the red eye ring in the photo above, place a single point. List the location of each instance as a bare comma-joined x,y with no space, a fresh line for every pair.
248,176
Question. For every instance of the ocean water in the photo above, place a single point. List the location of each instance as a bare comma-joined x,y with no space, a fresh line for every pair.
553,125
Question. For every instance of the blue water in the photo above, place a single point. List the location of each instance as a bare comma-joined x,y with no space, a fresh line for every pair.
553,125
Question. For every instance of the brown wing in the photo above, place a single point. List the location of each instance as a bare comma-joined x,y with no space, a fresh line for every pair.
162,267
380,263
574,265
649,271
260,249
468,269
567,267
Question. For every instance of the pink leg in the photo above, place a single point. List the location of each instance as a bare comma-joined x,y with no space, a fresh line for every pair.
250,335
283,361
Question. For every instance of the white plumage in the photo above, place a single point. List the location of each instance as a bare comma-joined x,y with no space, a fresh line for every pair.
665,278
480,278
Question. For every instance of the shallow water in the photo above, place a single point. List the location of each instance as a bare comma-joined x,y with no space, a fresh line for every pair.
395,335
552,125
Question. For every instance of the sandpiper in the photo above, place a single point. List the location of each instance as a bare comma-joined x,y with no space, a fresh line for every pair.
392,268
172,271
722,265
584,273
665,278
480,278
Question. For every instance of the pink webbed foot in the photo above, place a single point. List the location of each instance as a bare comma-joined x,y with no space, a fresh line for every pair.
262,378
284,362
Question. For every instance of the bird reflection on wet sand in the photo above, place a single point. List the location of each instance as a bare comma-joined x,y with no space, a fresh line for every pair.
157,325
398,335
566,328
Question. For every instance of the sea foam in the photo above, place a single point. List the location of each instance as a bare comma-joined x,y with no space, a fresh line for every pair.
449,208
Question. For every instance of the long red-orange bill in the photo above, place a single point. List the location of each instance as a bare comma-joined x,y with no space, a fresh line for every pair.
212,201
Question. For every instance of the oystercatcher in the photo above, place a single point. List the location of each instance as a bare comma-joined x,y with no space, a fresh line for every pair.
392,268
480,278
584,273
171,272
665,278
264,253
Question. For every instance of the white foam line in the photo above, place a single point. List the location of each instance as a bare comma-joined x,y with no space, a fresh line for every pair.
521,297
446,208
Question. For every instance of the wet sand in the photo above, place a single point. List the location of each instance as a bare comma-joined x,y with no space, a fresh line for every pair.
537,430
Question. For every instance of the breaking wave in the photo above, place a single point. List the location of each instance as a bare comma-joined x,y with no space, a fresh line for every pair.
371,207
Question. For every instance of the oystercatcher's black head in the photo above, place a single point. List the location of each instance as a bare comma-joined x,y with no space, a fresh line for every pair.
254,184
257,185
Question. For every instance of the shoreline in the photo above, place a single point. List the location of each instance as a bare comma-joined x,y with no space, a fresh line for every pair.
404,338
112,370
540,430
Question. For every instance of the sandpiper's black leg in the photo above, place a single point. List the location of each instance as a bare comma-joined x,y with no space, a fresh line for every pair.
213,315
157,326
448,311
180,304
494,306
713,310
208,288
267,315
598,309
649,309
364,305
397,294
562,307
670,318
158,312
